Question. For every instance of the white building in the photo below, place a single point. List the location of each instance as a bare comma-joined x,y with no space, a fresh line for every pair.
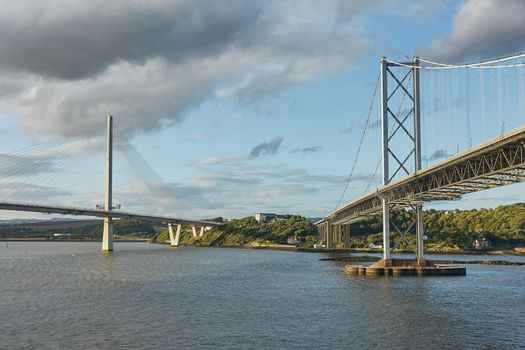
264,217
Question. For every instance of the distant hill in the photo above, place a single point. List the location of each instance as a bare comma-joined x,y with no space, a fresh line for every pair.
313,220
248,232
77,229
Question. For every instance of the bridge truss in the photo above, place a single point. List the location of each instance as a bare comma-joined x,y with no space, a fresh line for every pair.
496,163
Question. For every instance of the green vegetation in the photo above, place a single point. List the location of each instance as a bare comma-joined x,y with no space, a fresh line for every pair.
446,230
77,229
247,231
452,229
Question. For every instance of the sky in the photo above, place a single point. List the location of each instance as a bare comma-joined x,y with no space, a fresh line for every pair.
227,108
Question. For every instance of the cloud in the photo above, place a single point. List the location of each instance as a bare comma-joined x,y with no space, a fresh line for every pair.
267,148
310,149
231,188
46,158
375,124
347,9
66,65
22,192
437,154
346,130
482,28
263,148
81,39
440,104
216,160
13,165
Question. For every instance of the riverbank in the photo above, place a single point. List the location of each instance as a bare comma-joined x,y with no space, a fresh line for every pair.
292,248
282,247
22,239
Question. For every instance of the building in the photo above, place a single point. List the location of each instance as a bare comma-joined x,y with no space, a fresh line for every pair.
264,217
482,243
293,240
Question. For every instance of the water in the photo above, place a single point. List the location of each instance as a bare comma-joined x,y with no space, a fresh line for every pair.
71,296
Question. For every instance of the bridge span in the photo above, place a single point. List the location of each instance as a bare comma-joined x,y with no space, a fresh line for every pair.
108,212
495,163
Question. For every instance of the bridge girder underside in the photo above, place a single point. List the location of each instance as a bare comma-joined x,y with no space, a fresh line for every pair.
499,163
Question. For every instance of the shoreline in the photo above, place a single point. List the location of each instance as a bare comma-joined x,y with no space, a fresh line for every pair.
352,250
494,252
140,240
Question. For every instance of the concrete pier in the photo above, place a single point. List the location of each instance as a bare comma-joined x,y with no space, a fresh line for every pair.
402,267
194,230
177,236
174,238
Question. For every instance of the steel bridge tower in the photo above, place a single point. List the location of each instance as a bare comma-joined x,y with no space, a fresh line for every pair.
391,152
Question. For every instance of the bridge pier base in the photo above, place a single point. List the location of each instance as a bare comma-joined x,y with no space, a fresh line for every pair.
107,234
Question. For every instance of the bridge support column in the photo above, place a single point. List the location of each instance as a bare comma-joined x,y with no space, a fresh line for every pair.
107,234
386,234
346,235
328,235
170,232
419,235
201,233
320,232
177,235
193,230
337,234
174,239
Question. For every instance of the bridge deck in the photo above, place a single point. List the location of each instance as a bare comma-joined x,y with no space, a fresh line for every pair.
496,163
101,214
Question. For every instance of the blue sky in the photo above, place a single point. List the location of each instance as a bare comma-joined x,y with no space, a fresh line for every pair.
238,106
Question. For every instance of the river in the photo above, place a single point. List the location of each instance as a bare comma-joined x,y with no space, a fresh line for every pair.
59,295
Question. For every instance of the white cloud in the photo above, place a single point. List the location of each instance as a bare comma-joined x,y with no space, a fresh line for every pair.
67,64
231,188
482,28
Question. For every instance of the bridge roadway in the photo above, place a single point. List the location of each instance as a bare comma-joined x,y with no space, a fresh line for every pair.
102,213
496,163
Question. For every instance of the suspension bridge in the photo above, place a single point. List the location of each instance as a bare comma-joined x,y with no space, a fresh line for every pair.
107,211
405,184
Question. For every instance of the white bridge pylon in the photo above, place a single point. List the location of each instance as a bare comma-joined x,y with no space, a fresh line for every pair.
107,233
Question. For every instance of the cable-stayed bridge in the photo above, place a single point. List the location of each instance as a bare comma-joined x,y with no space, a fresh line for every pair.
107,211
405,183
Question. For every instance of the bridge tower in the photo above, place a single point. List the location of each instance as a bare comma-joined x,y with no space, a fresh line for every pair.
389,150
107,234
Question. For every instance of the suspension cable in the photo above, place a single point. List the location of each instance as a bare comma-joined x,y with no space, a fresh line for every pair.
488,64
360,142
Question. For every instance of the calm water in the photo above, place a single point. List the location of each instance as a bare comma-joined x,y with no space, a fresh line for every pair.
71,296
